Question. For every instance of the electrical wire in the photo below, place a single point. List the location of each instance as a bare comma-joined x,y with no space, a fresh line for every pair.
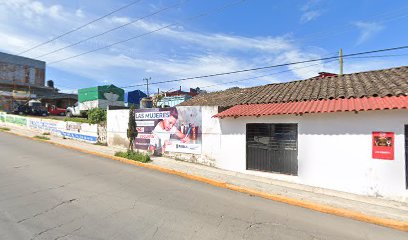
80,27
382,56
113,29
265,75
272,66
216,10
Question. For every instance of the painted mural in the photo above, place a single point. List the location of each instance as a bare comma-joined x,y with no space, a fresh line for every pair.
176,129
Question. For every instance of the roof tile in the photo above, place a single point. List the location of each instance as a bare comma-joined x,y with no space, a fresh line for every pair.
317,106
378,83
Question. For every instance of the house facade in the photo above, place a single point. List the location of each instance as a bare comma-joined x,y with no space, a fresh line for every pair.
347,133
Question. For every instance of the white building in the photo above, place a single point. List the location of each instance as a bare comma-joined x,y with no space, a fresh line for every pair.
347,133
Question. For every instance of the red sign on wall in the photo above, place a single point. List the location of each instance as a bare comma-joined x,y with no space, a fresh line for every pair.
383,145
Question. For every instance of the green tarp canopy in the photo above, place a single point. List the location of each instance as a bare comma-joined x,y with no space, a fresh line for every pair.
100,92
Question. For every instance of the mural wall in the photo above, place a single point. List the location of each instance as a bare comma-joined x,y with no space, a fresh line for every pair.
73,130
176,129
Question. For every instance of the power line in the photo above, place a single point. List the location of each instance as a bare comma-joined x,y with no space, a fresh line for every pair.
80,27
156,30
265,75
270,74
382,56
272,66
113,29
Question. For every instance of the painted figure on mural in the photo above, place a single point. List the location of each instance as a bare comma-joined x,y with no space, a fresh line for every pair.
163,131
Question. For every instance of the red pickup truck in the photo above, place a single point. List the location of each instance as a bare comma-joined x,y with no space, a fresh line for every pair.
53,110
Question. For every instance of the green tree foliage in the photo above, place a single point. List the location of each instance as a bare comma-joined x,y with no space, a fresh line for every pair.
97,116
132,131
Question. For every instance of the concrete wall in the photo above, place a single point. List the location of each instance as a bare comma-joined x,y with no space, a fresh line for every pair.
211,135
73,130
334,150
117,124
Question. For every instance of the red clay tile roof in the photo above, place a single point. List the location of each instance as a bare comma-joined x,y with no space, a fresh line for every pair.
317,106
379,83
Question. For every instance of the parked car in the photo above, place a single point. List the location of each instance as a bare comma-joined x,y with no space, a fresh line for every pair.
32,107
53,110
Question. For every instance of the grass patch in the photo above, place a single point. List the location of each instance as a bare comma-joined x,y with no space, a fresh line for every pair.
132,155
42,137
77,119
46,134
4,129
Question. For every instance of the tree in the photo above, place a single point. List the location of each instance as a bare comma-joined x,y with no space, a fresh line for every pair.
156,98
97,116
132,130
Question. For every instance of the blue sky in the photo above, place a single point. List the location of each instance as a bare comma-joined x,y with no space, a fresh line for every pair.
248,34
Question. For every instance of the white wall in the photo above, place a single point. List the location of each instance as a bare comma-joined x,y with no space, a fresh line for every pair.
73,130
334,150
211,134
117,125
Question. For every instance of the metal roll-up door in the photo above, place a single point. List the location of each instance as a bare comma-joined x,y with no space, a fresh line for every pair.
272,148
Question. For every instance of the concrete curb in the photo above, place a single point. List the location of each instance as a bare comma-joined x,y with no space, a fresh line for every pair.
399,225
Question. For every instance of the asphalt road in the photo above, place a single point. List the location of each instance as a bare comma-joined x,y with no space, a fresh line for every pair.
47,192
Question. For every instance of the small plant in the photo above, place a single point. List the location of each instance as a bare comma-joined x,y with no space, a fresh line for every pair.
132,155
46,134
4,129
41,137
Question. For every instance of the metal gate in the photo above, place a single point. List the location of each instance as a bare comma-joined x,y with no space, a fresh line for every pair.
272,147
406,156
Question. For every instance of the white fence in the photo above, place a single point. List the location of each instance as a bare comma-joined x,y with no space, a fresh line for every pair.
73,130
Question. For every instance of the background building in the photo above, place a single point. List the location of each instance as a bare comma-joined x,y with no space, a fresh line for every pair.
23,78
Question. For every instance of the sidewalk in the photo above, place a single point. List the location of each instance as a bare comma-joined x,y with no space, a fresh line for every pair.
370,206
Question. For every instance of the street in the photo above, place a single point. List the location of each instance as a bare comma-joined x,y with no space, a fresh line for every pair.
47,192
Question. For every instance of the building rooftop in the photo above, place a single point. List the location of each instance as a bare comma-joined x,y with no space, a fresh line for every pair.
377,83
18,60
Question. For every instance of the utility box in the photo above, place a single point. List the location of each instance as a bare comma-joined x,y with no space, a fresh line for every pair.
100,97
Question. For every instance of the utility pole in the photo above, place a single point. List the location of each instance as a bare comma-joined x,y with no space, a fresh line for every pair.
147,84
341,61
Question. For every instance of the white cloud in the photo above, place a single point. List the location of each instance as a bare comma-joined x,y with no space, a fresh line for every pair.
174,52
311,10
168,54
79,13
120,20
302,70
33,9
367,30
310,15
